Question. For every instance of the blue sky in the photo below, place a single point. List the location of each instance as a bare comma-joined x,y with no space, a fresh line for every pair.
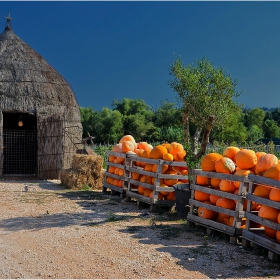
115,50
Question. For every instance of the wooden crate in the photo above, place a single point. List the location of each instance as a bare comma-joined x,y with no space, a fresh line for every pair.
256,235
234,231
114,189
153,202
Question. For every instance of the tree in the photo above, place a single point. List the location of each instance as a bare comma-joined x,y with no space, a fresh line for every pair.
137,117
276,116
206,95
88,116
271,129
255,117
232,131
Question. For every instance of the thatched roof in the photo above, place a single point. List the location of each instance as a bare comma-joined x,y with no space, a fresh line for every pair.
28,81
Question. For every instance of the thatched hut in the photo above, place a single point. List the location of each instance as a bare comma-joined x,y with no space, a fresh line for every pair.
40,120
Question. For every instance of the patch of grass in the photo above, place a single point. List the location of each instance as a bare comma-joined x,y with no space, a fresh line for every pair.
113,218
86,188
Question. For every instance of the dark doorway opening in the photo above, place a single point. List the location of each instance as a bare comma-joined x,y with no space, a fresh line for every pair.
20,144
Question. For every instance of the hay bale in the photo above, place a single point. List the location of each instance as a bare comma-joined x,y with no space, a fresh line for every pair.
88,164
75,180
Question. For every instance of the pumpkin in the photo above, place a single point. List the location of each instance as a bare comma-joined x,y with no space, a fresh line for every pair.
274,194
180,156
117,148
110,180
166,145
259,154
127,138
208,161
171,181
273,172
121,172
171,196
225,165
175,148
270,233
162,185
215,183
227,186
202,180
213,198
262,191
222,218
206,213
201,196
143,145
157,152
119,160
141,190
147,192
230,152
269,213
265,162
246,159
111,158
146,179
184,172
135,176
164,168
277,236
160,196
226,203
148,167
168,157
111,169
242,173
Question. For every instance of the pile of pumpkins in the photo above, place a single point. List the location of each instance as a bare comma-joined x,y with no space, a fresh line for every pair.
240,162
166,151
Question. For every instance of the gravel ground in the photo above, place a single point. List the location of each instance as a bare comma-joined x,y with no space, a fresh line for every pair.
48,231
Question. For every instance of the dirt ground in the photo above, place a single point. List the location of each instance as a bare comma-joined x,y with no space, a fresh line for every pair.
48,231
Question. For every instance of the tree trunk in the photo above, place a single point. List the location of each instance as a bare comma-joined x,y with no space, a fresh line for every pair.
186,127
205,139
196,140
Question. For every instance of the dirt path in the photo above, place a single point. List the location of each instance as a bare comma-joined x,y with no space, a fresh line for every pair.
47,231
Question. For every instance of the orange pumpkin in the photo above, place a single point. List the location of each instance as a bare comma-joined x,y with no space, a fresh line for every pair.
208,161
175,148
164,168
202,180
273,172
180,156
148,167
259,154
246,159
162,185
168,157
262,191
111,169
147,192
127,138
171,181
274,194
171,196
206,213
265,162
143,145
270,233
213,198
242,173
226,203
227,186
160,196
222,218
269,213
141,190
215,183
230,152
135,176
201,196
225,165
157,152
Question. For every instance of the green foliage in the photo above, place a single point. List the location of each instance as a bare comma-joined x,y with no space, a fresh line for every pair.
271,129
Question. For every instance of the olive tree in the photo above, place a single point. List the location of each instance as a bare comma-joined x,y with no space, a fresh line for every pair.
206,94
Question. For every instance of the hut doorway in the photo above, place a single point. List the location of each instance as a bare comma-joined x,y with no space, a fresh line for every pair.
20,144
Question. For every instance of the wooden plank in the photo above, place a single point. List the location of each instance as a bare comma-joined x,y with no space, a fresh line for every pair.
217,175
262,241
216,208
214,225
263,201
262,221
112,187
264,181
